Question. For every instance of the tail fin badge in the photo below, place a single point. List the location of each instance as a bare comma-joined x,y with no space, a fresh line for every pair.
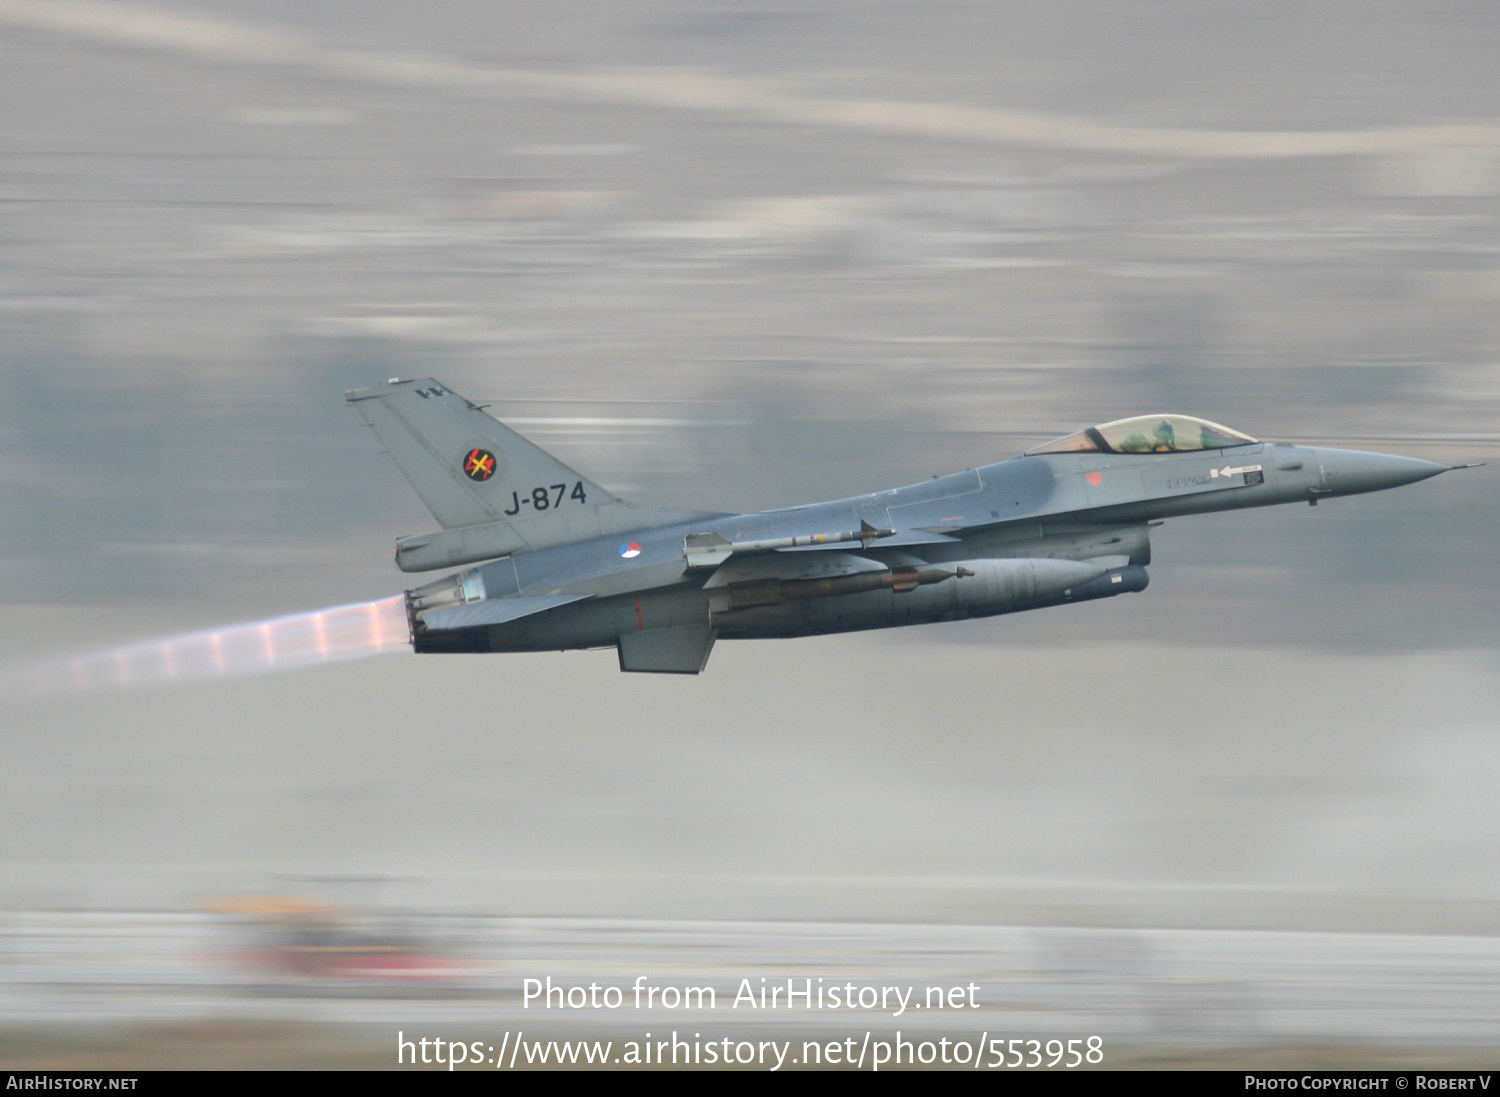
479,464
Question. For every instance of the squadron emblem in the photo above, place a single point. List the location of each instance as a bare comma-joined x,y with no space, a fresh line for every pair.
479,464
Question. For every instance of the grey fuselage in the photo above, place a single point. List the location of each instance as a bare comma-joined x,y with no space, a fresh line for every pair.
1092,508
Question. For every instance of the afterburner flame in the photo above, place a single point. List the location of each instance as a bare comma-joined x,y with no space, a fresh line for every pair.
331,635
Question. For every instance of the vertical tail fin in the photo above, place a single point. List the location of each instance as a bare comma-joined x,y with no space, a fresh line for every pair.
496,492
468,468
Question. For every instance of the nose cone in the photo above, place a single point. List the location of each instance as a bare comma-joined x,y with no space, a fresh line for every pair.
1351,471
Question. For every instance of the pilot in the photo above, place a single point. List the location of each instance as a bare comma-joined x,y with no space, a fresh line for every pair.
1163,440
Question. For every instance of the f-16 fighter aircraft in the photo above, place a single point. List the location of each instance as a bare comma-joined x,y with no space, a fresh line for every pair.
560,563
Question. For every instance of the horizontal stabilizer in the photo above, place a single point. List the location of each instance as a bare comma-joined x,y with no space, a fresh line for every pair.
495,611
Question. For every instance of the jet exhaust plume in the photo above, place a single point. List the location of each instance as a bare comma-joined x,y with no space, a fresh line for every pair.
331,635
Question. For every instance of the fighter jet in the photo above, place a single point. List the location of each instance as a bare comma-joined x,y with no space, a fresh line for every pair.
561,564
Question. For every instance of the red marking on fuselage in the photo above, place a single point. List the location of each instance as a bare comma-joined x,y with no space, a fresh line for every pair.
1095,478
640,618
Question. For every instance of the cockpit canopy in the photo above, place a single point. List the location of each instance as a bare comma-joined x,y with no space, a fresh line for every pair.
1148,434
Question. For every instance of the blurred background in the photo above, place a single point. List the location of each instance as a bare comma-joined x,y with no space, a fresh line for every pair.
740,254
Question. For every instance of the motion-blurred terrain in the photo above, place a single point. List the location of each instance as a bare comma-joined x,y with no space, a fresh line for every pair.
745,255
